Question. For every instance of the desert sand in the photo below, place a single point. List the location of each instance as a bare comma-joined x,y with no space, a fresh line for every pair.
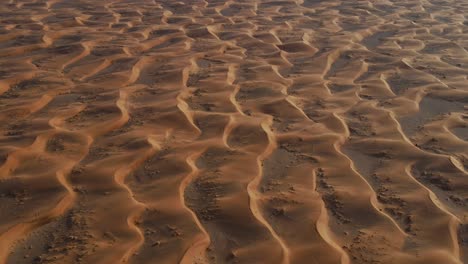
234,131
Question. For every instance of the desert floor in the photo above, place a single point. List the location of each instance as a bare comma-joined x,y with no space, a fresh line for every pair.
238,131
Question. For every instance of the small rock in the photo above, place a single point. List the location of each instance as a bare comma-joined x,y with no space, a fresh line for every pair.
156,244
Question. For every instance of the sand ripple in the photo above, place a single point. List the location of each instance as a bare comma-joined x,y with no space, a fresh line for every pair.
250,131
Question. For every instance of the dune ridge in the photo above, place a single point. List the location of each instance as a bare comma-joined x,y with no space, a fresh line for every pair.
248,131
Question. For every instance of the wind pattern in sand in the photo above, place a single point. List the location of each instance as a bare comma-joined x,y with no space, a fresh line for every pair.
246,131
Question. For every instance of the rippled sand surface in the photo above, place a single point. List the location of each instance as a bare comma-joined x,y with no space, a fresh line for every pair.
246,131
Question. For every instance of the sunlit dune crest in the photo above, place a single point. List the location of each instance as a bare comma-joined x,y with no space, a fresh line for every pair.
235,131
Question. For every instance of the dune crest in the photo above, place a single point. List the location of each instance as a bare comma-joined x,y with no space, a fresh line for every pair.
248,131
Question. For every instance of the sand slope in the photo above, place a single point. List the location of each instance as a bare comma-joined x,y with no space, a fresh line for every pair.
240,131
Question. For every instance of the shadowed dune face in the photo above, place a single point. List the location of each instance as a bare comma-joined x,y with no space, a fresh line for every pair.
249,131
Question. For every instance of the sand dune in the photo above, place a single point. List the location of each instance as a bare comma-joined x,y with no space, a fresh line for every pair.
247,131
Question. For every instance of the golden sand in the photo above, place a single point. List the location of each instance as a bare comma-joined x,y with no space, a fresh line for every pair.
233,131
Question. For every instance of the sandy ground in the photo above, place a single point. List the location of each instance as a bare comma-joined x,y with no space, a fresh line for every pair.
241,131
